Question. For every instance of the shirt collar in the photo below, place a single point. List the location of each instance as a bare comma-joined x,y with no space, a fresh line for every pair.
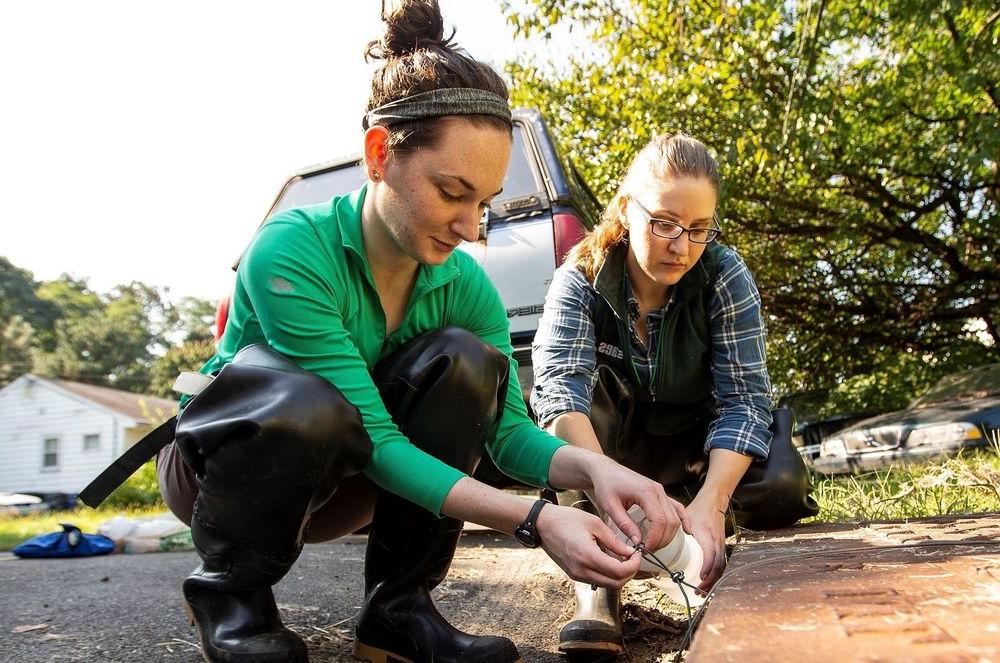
632,303
611,277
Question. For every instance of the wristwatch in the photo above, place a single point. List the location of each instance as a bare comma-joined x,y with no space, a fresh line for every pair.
527,532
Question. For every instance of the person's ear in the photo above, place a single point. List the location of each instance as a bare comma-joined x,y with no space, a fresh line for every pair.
376,152
623,209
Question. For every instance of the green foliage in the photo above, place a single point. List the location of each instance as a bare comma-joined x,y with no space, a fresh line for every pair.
194,318
140,490
16,339
859,148
969,483
100,340
62,328
190,356
18,298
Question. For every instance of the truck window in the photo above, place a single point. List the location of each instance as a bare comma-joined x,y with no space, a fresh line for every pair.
520,179
321,187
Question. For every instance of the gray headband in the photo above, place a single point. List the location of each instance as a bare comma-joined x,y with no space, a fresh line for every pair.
437,103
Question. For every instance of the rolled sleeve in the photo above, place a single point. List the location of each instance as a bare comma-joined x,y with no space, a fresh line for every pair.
563,354
739,363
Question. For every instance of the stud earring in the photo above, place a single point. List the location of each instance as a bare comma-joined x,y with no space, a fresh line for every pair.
376,176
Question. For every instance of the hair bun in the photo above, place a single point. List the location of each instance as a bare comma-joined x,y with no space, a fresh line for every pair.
410,25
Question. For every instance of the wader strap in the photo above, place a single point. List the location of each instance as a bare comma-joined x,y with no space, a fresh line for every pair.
126,465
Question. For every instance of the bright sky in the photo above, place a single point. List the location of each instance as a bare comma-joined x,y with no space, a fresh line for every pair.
145,141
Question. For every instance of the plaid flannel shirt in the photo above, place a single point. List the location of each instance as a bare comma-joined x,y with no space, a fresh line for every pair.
565,359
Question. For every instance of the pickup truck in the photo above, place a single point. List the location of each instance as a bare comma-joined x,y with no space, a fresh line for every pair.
546,207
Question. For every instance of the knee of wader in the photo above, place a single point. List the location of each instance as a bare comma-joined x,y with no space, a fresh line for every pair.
450,357
449,373
774,499
276,413
446,390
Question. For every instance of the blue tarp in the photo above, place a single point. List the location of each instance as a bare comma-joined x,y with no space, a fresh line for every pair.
70,542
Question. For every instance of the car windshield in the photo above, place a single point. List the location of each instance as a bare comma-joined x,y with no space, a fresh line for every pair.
981,382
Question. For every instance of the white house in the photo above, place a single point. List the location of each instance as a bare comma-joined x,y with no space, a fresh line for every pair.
57,435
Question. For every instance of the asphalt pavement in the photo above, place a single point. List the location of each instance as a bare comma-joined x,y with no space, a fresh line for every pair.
127,608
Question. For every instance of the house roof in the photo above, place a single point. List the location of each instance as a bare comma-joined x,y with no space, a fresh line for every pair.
143,408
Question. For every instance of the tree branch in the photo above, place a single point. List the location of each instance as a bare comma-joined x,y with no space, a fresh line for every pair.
964,52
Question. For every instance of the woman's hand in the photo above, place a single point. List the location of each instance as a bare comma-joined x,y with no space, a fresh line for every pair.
583,546
708,527
616,488
708,509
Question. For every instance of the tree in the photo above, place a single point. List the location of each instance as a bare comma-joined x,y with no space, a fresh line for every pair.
103,339
16,341
859,145
195,318
62,328
19,299
189,356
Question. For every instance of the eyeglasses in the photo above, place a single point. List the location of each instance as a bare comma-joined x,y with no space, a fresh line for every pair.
672,230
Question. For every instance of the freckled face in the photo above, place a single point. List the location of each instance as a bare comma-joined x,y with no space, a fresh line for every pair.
434,198
689,201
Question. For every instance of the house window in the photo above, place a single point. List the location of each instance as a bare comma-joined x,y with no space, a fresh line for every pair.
91,442
50,453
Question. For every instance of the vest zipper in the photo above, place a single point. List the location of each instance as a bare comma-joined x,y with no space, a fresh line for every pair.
654,374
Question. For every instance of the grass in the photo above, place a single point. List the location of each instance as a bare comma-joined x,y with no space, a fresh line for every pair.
968,483
15,529
138,497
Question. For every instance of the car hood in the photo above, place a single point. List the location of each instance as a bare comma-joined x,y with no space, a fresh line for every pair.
933,414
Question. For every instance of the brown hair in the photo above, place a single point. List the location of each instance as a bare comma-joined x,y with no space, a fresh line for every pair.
666,156
418,59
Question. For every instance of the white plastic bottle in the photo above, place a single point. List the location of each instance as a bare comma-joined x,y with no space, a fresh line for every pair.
683,553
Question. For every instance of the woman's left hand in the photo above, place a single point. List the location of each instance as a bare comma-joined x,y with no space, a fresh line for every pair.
708,527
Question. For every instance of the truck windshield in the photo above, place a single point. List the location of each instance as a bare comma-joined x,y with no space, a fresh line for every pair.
520,180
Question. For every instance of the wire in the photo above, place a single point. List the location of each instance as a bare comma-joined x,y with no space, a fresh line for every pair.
678,578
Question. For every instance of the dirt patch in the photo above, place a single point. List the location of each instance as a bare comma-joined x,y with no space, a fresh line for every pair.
653,625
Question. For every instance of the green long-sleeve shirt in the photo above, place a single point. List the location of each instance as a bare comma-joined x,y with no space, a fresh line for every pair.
304,288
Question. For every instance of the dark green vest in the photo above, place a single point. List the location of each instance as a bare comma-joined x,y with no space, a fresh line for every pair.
679,397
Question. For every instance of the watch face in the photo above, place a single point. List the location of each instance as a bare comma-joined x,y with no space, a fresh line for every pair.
525,538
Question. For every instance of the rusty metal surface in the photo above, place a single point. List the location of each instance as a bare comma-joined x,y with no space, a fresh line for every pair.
920,591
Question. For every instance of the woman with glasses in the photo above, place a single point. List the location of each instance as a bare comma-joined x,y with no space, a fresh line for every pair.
651,351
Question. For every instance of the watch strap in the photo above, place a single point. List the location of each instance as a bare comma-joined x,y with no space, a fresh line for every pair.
530,523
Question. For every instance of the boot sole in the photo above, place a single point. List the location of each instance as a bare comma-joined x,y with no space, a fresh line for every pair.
189,613
192,622
365,652
597,647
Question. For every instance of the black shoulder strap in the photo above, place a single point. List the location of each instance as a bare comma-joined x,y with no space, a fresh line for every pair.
126,465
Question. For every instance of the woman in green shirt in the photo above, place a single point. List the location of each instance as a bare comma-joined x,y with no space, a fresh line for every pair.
364,368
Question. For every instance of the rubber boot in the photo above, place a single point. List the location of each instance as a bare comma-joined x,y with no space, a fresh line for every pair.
596,626
269,443
445,391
